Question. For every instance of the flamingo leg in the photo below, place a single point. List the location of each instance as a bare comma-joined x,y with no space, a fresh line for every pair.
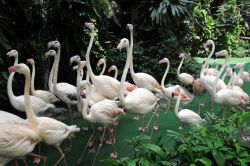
142,128
212,103
62,156
79,161
100,145
16,162
37,158
153,114
114,154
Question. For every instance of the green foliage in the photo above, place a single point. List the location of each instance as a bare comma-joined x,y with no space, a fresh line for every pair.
213,142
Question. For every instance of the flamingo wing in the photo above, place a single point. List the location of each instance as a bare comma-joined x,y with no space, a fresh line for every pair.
188,116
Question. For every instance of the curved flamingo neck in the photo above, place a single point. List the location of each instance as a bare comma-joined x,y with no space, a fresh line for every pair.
33,79
179,67
29,111
240,73
51,76
9,84
103,68
206,61
177,105
124,75
86,102
131,66
165,75
89,69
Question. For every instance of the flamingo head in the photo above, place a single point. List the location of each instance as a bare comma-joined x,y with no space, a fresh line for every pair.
75,67
238,66
222,53
20,68
182,55
130,27
207,43
75,58
50,53
120,111
54,44
100,62
182,93
12,53
113,67
30,61
90,26
164,60
124,43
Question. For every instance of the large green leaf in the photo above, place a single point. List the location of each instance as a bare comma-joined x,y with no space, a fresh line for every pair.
219,158
156,149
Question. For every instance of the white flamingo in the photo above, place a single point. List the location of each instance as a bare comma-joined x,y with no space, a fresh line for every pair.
50,131
106,85
46,96
105,112
142,80
186,115
185,78
17,102
139,101
172,91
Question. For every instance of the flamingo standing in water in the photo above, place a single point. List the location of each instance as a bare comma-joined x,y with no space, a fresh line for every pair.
186,115
17,102
142,80
50,131
46,96
105,112
185,78
139,101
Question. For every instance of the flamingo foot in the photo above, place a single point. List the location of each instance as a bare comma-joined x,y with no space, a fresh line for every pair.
156,127
115,123
114,155
142,129
136,117
100,128
37,160
92,150
109,142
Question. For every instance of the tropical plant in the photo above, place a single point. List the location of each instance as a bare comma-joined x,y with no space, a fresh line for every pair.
214,142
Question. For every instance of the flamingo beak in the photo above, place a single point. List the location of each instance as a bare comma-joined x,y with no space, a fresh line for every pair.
120,111
12,69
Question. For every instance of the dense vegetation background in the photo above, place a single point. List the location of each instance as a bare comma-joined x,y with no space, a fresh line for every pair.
163,28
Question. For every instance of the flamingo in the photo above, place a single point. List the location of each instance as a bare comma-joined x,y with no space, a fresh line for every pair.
139,101
17,102
105,112
142,80
113,67
186,115
106,85
172,91
185,78
9,118
212,71
238,81
100,62
64,91
50,131
46,96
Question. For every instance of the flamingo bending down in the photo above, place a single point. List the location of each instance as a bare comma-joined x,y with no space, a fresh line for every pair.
106,85
139,101
172,91
185,78
17,102
142,80
50,131
105,112
186,115
46,96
